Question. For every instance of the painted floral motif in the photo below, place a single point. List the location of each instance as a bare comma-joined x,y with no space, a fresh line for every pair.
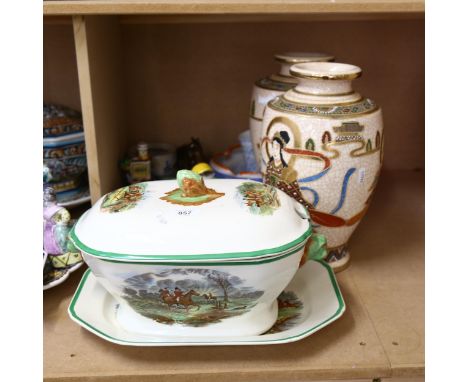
192,296
192,190
63,168
261,199
289,312
60,120
61,126
70,150
123,199
360,107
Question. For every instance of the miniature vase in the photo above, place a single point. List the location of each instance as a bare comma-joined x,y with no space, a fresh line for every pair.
322,143
267,88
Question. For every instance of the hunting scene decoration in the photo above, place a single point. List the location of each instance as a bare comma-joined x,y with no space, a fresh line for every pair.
124,198
261,199
192,296
289,312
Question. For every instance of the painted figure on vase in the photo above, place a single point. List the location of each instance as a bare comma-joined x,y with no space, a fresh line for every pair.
318,180
281,174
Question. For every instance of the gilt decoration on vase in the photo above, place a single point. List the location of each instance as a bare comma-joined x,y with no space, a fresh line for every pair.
322,143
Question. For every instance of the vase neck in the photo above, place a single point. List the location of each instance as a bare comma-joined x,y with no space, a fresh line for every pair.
284,69
324,87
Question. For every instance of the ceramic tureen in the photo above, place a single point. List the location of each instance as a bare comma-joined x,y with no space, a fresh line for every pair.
198,259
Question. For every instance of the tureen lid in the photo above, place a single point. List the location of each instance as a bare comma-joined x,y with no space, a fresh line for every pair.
186,219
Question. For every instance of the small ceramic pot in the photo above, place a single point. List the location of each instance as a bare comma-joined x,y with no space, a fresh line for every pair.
323,145
267,88
196,259
163,160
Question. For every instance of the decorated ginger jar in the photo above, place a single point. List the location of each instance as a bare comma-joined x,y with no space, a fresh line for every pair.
198,259
267,88
322,143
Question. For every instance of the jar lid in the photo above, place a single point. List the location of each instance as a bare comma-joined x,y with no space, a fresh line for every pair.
188,220
298,57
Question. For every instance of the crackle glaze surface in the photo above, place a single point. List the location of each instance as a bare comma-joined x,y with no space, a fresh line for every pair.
267,88
322,144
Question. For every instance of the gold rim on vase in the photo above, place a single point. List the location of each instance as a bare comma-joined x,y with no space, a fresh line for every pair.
325,71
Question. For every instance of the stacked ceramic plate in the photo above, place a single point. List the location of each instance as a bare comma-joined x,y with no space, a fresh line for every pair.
64,155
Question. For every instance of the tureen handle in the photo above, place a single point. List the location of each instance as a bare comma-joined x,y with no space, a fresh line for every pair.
316,248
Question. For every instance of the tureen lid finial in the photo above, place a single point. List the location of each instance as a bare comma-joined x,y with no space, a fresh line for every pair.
192,184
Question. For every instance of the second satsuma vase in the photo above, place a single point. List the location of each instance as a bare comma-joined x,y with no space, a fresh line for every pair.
267,88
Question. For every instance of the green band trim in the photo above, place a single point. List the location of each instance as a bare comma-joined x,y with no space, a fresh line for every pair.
214,256
336,315
209,263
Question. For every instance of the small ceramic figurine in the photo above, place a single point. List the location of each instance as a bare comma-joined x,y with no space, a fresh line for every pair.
57,245
323,145
272,86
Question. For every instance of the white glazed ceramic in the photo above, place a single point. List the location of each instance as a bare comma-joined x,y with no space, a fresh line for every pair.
267,88
323,144
230,164
204,265
310,302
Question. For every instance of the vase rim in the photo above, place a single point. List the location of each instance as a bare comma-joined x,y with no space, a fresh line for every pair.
325,71
302,57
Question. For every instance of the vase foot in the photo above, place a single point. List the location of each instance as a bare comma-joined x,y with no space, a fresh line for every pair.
338,258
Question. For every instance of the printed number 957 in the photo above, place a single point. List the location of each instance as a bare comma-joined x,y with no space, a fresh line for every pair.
184,212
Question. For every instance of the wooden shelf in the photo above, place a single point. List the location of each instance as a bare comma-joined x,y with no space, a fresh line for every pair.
381,334
160,82
240,7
